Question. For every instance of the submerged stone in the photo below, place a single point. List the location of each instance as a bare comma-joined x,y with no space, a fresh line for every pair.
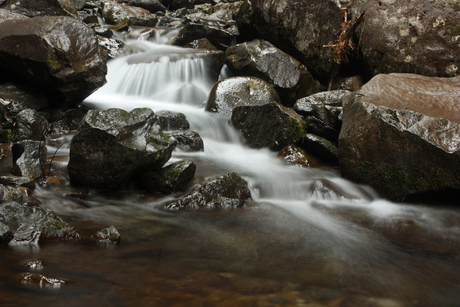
107,235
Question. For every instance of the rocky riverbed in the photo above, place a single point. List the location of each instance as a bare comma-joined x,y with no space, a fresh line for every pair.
231,119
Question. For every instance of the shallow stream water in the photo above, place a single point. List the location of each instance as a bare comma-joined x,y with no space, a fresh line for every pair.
308,238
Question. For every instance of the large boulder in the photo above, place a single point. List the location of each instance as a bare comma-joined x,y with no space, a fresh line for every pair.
299,28
40,8
114,147
227,191
270,125
400,135
59,55
261,59
219,37
410,37
239,91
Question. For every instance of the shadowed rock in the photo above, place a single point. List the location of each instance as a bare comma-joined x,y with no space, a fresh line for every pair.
169,179
188,141
115,13
29,158
40,8
114,147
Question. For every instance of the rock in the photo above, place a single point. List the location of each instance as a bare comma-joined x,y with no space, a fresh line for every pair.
40,8
239,91
34,265
32,224
6,238
29,158
78,4
299,28
353,84
170,121
59,55
169,179
188,141
31,126
115,13
107,235
67,122
17,97
9,193
326,106
294,155
114,147
18,181
318,127
152,6
225,11
271,125
202,43
261,59
9,15
226,192
400,135
112,46
177,4
320,148
218,36
40,281
420,37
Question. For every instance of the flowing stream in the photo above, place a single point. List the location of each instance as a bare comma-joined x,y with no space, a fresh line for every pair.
308,238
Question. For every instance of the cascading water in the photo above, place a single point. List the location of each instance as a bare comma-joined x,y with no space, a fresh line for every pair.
310,238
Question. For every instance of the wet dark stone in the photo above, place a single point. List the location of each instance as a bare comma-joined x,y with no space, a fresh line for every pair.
188,141
115,13
219,37
29,158
34,265
9,15
317,126
58,55
349,83
320,148
18,181
9,193
169,179
107,235
259,58
152,6
239,91
16,97
170,121
41,281
294,155
31,224
40,8
67,122
202,43
271,125
114,147
226,192
6,238
30,125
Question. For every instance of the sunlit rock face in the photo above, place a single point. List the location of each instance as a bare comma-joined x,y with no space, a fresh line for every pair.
114,147
401,135
410,37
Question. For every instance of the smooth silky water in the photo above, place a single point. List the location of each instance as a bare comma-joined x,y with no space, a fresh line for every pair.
297,243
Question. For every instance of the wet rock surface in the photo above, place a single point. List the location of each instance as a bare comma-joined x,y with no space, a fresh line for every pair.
320,148
30,125
107,235
112,147
39,8
226,192
31,224
261,59
188,141
219,37
239,91
400,135
271,125
59,55
294,155
170,121
16,97
29,158
115,13
169,179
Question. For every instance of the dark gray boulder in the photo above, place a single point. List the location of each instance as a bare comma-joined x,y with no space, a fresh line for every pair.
400,135
107,235
32,224
40,8
9,193
217,35
299,28
30,125
410,37
270,125
114,147
293,155
152,6
353,84
261,59
59,55
188,141
320,147
29,158
226,192
16,97
170,121
239,91
169,179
